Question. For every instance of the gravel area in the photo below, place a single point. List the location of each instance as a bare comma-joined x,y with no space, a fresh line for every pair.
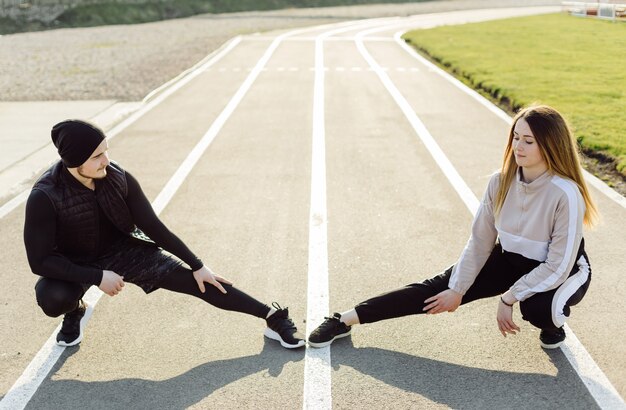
126,62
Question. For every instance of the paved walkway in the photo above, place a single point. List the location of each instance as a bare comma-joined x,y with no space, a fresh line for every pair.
294,164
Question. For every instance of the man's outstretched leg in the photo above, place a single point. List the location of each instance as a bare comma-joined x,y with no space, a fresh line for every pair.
280,327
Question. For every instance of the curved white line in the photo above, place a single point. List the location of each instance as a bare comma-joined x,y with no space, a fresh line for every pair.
599,386
591,179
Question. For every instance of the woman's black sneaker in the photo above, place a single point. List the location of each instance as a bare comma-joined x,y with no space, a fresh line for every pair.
332,328
552,338
71,332
280,327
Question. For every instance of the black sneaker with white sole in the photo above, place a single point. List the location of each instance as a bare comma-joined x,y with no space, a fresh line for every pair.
71,332
280,327
552,338
332,328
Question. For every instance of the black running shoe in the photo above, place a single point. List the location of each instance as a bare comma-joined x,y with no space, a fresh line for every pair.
280,327
71,332
552,338
332,328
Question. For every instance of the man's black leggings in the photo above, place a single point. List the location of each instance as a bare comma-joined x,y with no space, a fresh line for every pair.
57,297
545,310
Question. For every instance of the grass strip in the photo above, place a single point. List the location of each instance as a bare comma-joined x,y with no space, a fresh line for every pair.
575,64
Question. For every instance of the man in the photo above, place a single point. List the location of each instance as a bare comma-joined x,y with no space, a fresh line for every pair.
85,224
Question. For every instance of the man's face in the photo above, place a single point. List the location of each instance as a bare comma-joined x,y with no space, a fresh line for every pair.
95,166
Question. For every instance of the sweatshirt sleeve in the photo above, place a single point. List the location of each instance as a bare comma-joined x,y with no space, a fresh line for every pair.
562,249
39,240
151,225
480,244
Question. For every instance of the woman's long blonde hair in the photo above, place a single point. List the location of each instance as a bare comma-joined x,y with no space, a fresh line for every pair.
559,149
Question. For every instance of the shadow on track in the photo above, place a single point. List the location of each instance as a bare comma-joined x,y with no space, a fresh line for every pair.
178,392
458,386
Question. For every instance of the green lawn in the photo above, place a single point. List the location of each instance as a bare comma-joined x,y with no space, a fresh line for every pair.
575,64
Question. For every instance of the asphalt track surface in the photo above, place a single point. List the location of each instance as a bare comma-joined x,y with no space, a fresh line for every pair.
304,151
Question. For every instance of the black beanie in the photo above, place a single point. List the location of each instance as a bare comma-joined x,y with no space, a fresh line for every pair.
76,140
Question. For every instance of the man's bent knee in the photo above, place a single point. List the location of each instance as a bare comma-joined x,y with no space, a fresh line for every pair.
57,297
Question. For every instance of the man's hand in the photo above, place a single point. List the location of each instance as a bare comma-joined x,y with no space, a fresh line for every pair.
111,283
204,274
446,301
505,315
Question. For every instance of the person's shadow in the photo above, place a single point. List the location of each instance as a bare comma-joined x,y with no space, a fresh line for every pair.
447,384
463,387
178,392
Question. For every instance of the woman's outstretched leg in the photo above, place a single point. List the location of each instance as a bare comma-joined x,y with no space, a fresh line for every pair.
495,277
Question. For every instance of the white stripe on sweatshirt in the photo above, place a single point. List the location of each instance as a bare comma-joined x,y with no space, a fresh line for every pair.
541,220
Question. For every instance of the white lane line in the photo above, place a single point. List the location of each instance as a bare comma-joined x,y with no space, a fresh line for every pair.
593,180
317,368
599,386
170,87
194,156
13,203
440,157
28,383
311,38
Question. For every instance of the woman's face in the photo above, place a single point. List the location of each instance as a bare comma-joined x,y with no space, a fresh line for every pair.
525,147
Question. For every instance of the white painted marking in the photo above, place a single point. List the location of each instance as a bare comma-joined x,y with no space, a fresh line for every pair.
196,153
27,384
13,203
280,69
317,369
440,157
356,69
340,69
310,38
237,69
596,182
599,386
591,375
292,69
317,388
222,69
400,69
163,92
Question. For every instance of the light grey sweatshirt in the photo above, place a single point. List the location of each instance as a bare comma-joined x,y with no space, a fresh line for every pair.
541,220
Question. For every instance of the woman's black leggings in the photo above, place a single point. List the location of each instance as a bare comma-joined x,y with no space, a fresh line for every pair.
545,310
57,297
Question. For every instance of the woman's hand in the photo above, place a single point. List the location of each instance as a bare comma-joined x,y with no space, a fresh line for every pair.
204,274
505,316
446,301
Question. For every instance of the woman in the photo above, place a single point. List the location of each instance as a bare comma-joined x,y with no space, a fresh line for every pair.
526,243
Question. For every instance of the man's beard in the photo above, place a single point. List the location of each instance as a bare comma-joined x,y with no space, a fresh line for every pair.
80,172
